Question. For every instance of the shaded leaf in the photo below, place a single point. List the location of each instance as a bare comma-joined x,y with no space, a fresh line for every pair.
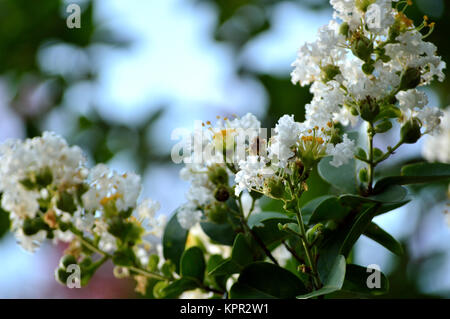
376,233
174,241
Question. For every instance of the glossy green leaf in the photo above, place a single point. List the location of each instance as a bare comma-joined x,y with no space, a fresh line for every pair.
309,208
177,287
358,279
332,279
358,227
416,174
193,264
331,208
223,234
258,219
376,233
262,280
174,241
241,256
343,177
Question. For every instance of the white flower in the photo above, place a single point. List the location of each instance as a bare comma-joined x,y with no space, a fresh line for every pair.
251,174
343,152
327,50
430,118
287,135
106,185
437,147
379,16
189,215
408,100
30,243
347,12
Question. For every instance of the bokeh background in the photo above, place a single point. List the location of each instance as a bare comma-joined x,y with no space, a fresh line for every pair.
138,69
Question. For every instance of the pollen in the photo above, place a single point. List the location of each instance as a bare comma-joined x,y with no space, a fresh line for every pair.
107,199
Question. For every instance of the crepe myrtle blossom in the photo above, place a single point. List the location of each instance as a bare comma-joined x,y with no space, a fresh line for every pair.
293,143
370,57
50,193
437,146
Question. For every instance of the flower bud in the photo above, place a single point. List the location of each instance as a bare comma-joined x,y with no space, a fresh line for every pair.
410,79
363,176
61,275
410,131
67,260
362,47
369,109
314,232
218,175
217,213
344,28
368,68
221,194
329,72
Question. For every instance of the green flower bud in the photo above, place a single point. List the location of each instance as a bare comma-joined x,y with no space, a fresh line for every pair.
344,28
368,67
410,79
383,127
255,195
336,139
369,109
66,203
410,131
363,176
67,260
354,111
61,275
218,175
394,31
329,72
221,194
314,232
362,48
44,177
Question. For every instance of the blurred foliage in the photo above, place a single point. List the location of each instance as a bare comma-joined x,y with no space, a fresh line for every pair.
26,27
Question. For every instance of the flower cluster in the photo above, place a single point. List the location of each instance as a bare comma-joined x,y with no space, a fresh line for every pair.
50,193
369,65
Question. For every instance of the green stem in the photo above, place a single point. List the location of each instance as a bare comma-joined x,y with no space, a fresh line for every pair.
390,151
254,235
370,162
306,246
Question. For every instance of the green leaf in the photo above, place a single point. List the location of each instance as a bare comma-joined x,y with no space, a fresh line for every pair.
356,281
258,219
392,194
241,256
358,227
343,177
332,279
330,208
223,234
193,264
177,287
174,241
416,174
309,208
376,233
266,280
